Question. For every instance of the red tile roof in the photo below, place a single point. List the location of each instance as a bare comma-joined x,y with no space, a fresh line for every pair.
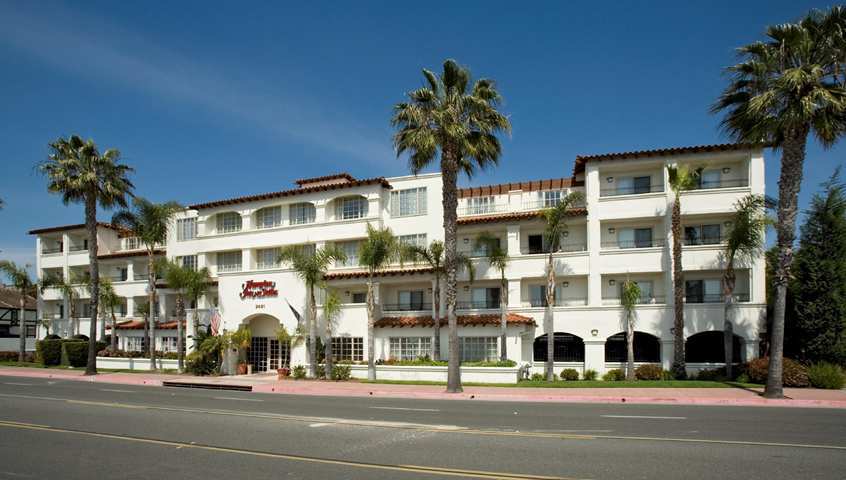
581,160
336,176
529,186
78,226
463,320
383,273
132,253
507,217
139,325
294,191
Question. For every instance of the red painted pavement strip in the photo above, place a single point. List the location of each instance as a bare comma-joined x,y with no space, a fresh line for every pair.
660,396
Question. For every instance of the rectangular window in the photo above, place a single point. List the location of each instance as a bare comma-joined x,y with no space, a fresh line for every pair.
485,297
481,249
410,348
703,291
188,261
480,205
410,299
267,258
348,348
186,229
551,198
134,344
646,291
537,243
537,295
417,239
702,234
359,297
642,184
169,344
710,179
269,217
411,201
301,213
229,261
634,237
477,349
228,222
132,243
352,208
350,249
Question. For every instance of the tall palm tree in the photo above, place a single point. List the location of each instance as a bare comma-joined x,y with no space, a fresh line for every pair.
108,300
498,259
81,174
380,249
681,179
177,278
784,89
311,268
433,257
463,125
197,286
555,219
19,278
744,241
149,222
629,298
331,311
70,293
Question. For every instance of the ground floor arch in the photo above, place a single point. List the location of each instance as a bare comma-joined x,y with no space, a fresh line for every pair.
266,353
566,348
708,347
647,348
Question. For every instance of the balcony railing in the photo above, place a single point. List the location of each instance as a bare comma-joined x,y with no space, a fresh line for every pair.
693,242
559,302
715,298
542,204
406,307
143,276
51,250
78,248
650,300
724,183
632,244
482,209
634,190
565,247
476,304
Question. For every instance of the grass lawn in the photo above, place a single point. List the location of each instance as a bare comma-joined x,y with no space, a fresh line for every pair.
64,367
589,384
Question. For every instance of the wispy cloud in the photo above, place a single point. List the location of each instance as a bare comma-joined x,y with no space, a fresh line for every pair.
101,51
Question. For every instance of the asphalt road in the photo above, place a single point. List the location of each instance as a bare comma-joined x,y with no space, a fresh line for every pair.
71,429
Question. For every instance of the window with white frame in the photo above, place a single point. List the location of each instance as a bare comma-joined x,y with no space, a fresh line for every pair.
269,217
132,243
551,198
350,249
410,348
134,344
229,261
348,348
188,261
301,213
480,205
477,349
169,344
415,239
351,208
228,222
481,249
267,258
186,229
410,201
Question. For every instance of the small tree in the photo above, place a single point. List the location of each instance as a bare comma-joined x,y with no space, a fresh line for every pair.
70,293
331,311
19,278
177,278
108,301
629,298
197,285
498,259
143,309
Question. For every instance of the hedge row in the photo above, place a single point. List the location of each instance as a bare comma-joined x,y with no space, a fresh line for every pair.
73,352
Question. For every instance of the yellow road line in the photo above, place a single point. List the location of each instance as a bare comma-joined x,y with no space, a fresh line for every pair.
282,456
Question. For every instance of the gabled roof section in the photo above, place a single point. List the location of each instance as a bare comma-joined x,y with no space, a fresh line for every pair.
307,187
581,160
78,226
529,186
342,177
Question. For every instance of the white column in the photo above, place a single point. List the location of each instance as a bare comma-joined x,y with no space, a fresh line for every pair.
750,350
130,306
515,299
594,234
513,239
246,260
130,270
666,354
246,220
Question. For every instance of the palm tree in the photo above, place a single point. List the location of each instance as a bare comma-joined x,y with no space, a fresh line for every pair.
143,309
681,179
433,257
70,293
107,302
463,125
556,224
81,174
109,299
785,88
744,241
498,259
197,285
380,249
629,298
331,311
19,278
311,268
177,278
149,222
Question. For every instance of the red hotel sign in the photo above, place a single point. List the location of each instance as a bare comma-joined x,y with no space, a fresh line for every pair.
262,289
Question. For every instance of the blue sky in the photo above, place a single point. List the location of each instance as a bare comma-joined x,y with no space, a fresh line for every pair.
210,100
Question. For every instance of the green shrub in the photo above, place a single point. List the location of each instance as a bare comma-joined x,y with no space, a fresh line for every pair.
743,378
590,374
712,374
52,336
649,371
794,375
570,374
80,336
826,375
299,372
198,363
49,352
75,353
491,363
120,354
615,375
341,372
320,371
538,377
13,357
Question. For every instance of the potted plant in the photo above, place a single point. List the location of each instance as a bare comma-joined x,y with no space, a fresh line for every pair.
289,340
241,340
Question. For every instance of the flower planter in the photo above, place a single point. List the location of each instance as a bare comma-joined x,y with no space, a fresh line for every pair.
242,369
283,373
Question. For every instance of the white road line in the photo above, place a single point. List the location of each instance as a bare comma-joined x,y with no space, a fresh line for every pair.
20,384
116,390
648,417
408,409
238,399
318,425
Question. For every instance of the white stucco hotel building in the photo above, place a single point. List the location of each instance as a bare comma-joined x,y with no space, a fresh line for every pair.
622,231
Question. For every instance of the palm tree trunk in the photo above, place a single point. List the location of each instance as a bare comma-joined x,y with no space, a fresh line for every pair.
180,333
113,339
436,317
328,361
151,299
196,321
503,321
728,318
91,227
790,180
679,368
22,328
312,333
547,320
449,175
630,373
371,342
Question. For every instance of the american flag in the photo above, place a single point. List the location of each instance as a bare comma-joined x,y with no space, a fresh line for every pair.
215,322
296,313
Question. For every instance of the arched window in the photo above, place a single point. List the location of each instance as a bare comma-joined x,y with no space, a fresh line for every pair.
350,208
269,217
228,222
708,347
301,213
567,348
647,348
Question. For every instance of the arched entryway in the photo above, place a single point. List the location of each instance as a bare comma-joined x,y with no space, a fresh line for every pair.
708,347
647,348
265,353
566,347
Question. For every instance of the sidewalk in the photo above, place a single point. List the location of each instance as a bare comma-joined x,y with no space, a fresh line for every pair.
265,383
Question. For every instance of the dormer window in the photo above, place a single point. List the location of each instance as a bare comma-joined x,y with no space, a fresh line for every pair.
228,222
